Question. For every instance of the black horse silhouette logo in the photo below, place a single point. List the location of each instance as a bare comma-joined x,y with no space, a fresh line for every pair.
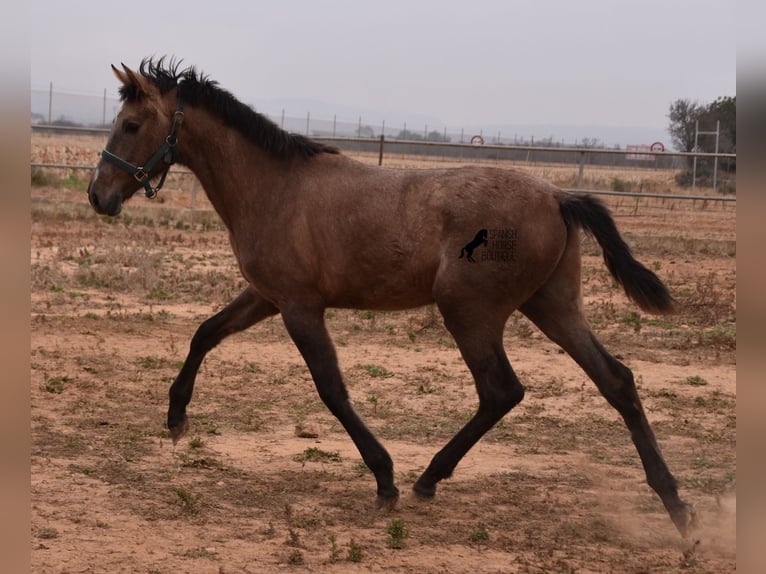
481,238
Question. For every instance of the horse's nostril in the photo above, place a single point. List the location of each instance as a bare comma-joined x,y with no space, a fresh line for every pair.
93,198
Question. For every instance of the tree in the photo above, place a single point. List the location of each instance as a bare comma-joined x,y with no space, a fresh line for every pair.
686,115
683,116
409,135
724,110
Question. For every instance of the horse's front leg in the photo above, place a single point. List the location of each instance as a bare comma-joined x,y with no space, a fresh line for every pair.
307,329
246,310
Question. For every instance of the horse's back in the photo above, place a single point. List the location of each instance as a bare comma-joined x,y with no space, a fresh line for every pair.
367,237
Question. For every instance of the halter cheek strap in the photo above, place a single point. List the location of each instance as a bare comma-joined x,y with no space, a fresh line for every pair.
167,153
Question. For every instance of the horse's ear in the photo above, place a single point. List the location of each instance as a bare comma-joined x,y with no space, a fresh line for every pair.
120,75
128,77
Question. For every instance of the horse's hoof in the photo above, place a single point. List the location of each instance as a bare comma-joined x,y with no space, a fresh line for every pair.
179,431
686,520
424,492
386,503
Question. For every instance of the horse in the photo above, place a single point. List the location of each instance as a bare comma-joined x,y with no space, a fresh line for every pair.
282,198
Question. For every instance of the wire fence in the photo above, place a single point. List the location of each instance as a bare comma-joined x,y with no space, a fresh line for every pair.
61,111
69,108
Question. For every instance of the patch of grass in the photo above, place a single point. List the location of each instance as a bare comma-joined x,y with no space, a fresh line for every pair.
40,178
251,367
295,558
314,454
695,381
376,371
714,402
56,385
354,553
204,462
334,552
159,294
619,184
150,362
199,552
73,181
724,336
188,502
293,538
47,533
632,319
479,534
196,442
397,533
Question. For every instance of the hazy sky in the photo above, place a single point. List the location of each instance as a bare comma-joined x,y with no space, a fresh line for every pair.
584,62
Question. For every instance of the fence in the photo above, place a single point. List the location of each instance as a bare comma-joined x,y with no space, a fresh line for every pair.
87,112
69,108
468,152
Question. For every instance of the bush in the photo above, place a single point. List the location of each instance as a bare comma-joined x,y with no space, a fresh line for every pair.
40,178
619,184
728,187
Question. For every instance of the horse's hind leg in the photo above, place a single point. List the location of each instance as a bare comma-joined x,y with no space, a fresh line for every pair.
246,310
309,333
556,310
480,340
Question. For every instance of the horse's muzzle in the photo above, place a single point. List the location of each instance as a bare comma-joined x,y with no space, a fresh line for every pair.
110,206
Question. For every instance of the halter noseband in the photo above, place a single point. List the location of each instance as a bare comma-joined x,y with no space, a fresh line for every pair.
166,152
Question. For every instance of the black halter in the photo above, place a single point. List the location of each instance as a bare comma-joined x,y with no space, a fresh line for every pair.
166,152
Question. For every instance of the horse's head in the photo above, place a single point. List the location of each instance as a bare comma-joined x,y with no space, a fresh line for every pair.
142,143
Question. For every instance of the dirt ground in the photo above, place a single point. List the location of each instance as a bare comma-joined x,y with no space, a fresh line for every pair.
556,486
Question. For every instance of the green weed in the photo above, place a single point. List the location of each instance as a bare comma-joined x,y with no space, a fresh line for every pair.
695,381
188,502
56,384
397,533
376,371
354,553
479,534
314,454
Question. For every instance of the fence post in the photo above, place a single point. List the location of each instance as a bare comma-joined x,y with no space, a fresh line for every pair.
694,162
50,104
715,160
582,169
380,153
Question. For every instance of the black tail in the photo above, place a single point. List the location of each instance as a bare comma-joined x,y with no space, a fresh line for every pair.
640,284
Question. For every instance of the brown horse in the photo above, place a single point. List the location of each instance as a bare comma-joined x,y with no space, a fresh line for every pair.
312,229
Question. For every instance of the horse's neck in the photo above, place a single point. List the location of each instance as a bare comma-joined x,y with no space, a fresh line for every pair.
232,171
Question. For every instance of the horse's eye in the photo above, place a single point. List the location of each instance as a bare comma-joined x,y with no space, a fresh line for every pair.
131,127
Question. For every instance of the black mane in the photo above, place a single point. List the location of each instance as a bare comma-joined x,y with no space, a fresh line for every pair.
198,90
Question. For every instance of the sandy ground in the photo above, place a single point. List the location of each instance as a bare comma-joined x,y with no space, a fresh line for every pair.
556,486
